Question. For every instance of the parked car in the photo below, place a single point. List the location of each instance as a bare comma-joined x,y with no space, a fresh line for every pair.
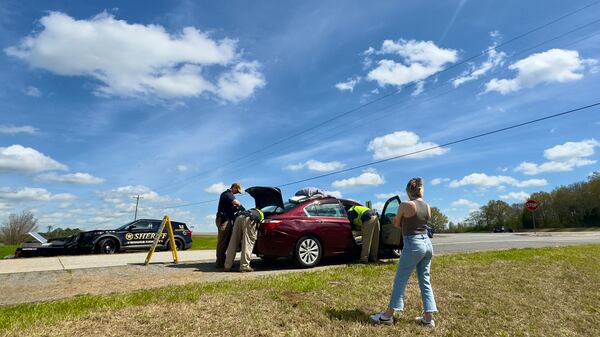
313,228
502,229
429,231
136,235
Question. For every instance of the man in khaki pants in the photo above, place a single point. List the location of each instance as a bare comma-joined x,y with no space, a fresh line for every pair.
245,230
367,222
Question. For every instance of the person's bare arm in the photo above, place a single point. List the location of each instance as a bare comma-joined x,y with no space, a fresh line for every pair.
236,203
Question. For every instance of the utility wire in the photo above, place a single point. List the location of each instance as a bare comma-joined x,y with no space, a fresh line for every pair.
360,107
461,140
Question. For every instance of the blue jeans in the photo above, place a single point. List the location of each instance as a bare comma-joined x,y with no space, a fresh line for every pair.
417,252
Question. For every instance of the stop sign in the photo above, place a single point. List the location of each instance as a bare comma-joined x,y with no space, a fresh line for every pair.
531,205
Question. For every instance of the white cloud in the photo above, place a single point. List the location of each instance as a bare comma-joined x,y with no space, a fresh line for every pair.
216,188
139,60
33,91
494,59
554,65
386,195
471,205
19,158
349,84
32,194
367,178
241,81
315,165
420,59
531,182
562,158
337,194
420,87
438,181
378,206
182,168
11,130
73,178
571,150
517,196
400,143
124,194
484,181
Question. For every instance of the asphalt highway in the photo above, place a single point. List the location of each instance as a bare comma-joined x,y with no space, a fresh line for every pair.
442,243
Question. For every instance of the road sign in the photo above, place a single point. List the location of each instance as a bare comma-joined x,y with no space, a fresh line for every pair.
531,205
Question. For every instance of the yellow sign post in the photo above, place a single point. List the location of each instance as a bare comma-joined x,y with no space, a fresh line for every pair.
166,222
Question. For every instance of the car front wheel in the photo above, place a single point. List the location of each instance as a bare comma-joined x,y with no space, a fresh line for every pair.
106,246
308,252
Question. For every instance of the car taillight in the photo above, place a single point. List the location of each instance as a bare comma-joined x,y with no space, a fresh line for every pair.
270,224
187,232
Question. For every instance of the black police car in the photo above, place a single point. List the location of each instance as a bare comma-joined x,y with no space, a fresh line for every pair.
136,235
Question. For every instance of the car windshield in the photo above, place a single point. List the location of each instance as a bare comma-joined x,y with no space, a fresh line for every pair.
122,228
278,210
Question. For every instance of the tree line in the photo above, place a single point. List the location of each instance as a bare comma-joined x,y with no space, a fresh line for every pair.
574,205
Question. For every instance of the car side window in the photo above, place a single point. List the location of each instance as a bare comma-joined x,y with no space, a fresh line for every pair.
311,210
331,210
143,226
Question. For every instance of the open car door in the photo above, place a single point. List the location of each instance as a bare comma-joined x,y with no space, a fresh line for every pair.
391,236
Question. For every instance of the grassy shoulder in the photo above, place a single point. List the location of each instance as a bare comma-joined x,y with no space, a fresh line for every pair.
200,242
7,250
524,292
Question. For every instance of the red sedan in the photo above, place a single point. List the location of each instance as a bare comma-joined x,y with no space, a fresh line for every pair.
313,228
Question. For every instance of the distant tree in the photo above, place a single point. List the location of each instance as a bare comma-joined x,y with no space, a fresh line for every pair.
14,231
438,220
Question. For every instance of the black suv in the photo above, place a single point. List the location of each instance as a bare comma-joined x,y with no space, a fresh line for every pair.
136,235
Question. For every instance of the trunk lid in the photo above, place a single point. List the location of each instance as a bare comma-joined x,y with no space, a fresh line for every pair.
266,196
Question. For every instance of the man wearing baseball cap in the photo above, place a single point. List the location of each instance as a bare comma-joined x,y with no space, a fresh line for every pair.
228,205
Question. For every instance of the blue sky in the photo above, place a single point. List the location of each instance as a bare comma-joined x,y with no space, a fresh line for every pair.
104,100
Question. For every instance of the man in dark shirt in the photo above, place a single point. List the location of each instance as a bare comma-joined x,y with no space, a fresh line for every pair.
228,205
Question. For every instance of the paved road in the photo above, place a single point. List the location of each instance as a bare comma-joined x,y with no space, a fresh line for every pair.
443,244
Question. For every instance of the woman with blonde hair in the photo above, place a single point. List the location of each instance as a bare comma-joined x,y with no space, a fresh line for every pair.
412,218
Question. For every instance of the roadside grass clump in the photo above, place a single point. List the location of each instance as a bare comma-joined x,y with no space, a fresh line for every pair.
518,292
202,242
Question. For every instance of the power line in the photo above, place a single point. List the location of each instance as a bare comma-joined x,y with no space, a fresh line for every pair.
461,140
360,107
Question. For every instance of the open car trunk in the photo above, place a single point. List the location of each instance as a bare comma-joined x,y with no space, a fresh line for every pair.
266,196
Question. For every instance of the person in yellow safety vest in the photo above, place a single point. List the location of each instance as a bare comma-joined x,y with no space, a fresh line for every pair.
245,229
366,220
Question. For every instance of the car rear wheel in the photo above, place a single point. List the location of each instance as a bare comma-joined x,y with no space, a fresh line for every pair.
106,246
179,245
308,252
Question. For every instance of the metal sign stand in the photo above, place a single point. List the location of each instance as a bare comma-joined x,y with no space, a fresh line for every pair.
166,221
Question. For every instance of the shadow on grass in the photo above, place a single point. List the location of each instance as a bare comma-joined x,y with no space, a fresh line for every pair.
354,315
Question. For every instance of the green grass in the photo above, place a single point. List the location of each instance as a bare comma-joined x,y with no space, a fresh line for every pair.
518,292
7,250
200,242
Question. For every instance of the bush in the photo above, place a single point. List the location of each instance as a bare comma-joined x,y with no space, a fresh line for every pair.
14,231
